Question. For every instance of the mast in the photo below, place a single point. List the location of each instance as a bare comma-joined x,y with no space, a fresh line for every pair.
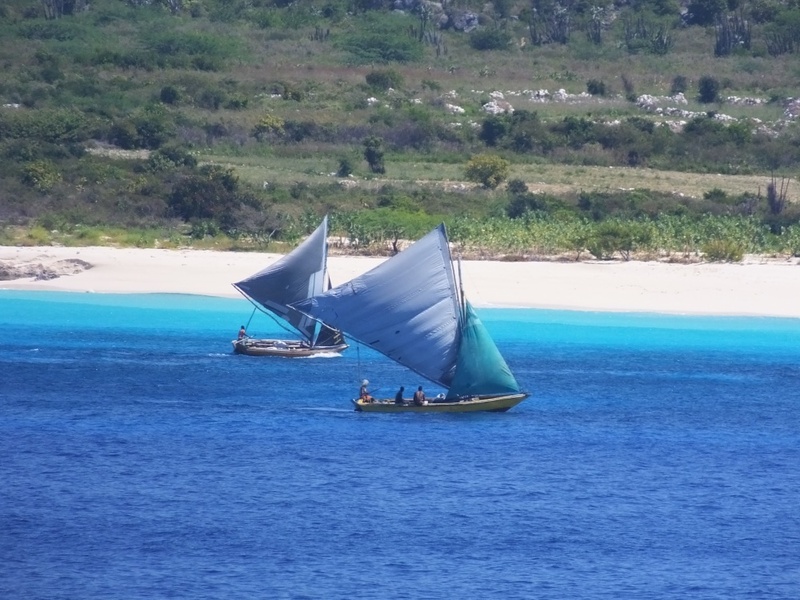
296,276
407,308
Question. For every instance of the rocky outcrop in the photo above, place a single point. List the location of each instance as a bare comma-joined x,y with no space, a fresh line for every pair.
42,272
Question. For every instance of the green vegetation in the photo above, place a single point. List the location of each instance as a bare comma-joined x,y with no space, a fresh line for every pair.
237,124
489,170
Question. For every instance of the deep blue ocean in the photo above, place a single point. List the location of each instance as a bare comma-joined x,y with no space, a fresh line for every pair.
657,457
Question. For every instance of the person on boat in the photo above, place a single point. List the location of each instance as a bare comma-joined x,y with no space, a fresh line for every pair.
363,393
398,398
242,332
419,397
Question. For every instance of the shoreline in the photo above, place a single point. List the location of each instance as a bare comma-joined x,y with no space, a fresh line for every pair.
758,287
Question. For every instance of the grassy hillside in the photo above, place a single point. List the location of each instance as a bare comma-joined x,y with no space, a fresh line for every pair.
169,122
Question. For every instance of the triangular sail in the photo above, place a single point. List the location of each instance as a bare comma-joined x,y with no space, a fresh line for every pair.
296,276
480,368
327,336
406,307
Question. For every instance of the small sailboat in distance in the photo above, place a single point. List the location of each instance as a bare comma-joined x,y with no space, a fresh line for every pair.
411,309
296,276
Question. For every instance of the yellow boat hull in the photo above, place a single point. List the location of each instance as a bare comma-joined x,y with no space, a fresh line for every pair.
472,404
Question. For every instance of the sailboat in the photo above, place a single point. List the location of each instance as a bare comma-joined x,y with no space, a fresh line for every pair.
296,276
412,309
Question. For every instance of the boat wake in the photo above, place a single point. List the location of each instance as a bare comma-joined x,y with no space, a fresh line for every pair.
323,355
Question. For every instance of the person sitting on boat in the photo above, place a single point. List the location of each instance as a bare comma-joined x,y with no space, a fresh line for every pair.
398,398
419,397
242,333
363,394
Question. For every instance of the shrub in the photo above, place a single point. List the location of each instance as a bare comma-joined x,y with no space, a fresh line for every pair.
616,236
203,228
522,204
124,135
236,102
373,153
169,95
723,250
211,99
345,167
716,195
268,126
170,157
382,39
791,240
41,174
679,85
489,170
494,128
629,87
383,80
211,193
704,12
48,125
596,87
200,50
708,89
489,39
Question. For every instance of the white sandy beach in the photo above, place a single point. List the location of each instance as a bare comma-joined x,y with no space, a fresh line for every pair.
757,287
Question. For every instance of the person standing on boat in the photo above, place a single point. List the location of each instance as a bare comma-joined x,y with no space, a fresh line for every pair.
419,397
242,333
363,393
398,398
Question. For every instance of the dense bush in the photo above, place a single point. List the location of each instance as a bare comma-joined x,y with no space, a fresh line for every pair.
136,75
192,49
383,80
41,174
48,125
211,193
489,170
382,40
373,154
725,250
596,87
707,89
490,39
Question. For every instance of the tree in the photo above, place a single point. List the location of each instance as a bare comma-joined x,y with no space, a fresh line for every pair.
708,89
268,126
489,170
210,193
54,9
493,129
373,153
345,167
704,12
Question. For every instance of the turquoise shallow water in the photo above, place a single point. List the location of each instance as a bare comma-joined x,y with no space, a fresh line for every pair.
656,458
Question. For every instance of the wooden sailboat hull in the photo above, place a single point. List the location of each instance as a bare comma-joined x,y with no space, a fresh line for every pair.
284,348
471,404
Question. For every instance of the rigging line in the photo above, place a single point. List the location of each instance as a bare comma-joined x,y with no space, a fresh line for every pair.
256,306
358,360
462,304
280,322
253,314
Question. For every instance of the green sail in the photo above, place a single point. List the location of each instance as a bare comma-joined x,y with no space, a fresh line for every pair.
480,368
